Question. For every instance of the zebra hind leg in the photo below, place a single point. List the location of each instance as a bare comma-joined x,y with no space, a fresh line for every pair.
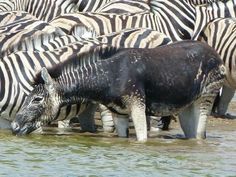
223,103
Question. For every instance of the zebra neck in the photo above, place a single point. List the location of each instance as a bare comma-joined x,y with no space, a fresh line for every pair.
83,83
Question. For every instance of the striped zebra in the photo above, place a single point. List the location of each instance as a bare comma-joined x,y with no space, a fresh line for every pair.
19,68
202,2
112,6
221,35
12,16
211,11
91,5
13,33
175,18
107,23
43,9
124,6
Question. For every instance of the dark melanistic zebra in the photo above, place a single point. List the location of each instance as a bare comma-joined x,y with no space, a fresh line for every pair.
131,82
221,35
19,68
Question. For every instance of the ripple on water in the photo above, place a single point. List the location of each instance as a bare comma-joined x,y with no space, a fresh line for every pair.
76,155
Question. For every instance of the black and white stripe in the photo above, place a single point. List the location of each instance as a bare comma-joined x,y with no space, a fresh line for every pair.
207,13
42,9
124,6
107,23
13,16
221,35
91,5
22,29
175,18
19,68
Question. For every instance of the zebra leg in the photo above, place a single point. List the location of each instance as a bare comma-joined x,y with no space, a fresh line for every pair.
122,125
64,124
193,119
86,118
138,116
106,117
164,122
224,100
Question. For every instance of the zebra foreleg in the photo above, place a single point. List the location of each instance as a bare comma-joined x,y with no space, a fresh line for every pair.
86,118
138,116
106,118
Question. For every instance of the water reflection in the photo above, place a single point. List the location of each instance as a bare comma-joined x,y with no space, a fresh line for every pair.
78,155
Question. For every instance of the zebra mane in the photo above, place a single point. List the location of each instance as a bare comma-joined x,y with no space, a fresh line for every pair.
81,60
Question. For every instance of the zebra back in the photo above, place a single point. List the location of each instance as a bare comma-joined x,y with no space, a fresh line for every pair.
124,6
175,18
90,5
13,16
221,35
22,29
207,13
43,9
108,23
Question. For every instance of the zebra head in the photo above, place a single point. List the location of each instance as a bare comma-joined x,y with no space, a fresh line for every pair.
40,107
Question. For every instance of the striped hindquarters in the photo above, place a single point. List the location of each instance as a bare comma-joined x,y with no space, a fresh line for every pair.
207,13
221,35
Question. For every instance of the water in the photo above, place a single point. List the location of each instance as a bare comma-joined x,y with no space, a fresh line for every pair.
76,154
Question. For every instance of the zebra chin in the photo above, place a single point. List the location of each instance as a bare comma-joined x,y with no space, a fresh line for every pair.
26,128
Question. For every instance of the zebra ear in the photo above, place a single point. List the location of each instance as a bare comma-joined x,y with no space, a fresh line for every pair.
48,81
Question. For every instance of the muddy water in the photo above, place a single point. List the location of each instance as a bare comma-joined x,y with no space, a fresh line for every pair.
72,154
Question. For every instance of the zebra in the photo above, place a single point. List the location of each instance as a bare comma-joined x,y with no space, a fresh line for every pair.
12,16
107,23
44,10
124,7
12,33
202,2
136,94
21,75
211,11
221,35
91,5
175,18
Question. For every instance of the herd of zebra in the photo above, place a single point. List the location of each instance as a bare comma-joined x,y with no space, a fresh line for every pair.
37,34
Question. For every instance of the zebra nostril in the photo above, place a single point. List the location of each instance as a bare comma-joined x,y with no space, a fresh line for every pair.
15,126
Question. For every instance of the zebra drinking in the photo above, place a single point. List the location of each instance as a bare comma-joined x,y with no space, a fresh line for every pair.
134,82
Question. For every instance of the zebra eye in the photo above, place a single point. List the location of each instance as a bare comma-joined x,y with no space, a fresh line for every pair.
37,99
